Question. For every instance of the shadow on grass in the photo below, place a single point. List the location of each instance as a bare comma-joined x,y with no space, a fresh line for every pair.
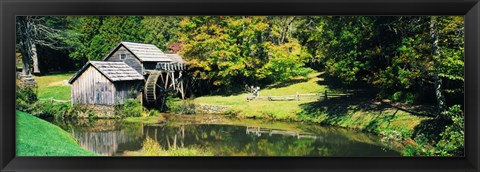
287,83
239,88
431,128
337,84
338,110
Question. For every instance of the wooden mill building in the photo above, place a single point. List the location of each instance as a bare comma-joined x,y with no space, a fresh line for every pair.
128,70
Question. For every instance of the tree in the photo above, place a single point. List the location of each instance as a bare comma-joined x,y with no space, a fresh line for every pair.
226,50
407,58
85,28
97,36
33,31
160,30
437,80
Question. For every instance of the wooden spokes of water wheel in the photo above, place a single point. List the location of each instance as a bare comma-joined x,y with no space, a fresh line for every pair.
154,89
159,82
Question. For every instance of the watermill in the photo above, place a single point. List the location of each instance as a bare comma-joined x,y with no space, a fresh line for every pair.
166,77
119,76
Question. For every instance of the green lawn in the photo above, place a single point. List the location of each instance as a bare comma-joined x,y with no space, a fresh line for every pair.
54,86
36,137
271,109
347,112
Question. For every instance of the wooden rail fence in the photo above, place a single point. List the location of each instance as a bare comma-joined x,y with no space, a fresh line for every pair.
55,100
298,97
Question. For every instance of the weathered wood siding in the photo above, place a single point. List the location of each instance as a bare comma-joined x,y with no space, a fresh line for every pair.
130,60
125,89
92,88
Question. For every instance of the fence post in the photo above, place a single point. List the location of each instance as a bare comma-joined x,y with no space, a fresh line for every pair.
326,95
298,97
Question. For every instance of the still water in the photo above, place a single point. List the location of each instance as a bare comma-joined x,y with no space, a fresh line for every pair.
117,138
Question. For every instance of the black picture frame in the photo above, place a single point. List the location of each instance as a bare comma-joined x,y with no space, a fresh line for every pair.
10,8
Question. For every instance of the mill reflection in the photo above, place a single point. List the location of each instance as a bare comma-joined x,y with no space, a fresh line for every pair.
105,137
116,138
105,143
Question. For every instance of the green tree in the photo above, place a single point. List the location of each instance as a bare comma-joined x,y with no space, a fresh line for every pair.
160,30
99,35
227,50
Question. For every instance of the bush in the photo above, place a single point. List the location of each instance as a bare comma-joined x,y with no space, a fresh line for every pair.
406,97
153,112
25,96
175,105
452,138
45,109
397,96
422,147
129,108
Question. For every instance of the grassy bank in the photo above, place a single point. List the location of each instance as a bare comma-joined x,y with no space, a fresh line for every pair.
36,137
283,110
54,86
351,112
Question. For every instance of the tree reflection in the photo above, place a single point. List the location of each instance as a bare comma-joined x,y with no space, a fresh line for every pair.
114,138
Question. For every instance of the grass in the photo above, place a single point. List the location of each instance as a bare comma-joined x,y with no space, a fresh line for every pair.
36,137
375,121
54,86
268,109
348,112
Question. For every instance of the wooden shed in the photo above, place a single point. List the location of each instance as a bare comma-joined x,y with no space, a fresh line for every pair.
105,83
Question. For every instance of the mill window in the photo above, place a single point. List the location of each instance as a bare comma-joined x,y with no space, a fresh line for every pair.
123,56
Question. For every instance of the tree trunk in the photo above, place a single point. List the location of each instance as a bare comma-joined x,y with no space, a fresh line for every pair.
36,69
284,32
25,61
25,35
437,79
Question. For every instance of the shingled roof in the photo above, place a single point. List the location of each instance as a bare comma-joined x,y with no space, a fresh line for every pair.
113,71
144,52
175,58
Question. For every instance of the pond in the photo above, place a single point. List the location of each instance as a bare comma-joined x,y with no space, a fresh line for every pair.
109,137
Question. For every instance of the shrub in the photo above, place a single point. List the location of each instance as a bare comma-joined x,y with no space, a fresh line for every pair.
175,105
401,96
453,137
397,96
153,112
46,109
25,96
129,108
422,147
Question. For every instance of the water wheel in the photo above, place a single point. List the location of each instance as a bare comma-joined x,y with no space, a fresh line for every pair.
154,86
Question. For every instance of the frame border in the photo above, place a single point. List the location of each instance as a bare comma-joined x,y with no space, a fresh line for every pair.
11,8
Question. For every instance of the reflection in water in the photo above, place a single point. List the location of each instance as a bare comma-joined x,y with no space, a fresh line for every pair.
104,136
114,138
230,140
259,131
104,142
